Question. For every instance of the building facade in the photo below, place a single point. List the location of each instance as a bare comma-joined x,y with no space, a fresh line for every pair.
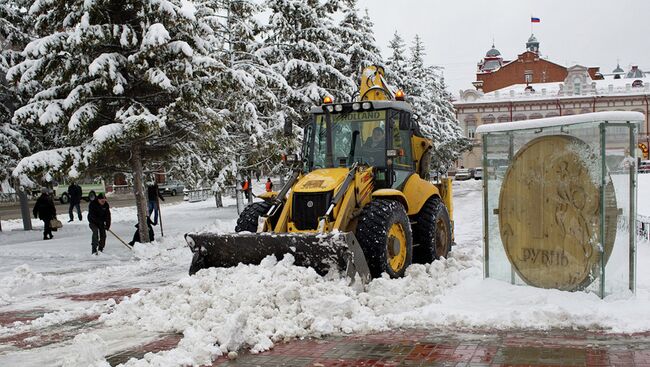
581,90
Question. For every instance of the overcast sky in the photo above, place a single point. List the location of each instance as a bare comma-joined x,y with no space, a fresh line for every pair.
457,33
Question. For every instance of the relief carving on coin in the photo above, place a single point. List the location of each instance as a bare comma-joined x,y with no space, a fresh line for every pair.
549,213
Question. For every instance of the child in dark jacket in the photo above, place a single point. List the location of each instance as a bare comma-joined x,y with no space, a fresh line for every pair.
136,235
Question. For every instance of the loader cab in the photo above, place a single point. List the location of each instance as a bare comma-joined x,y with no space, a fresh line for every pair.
373,133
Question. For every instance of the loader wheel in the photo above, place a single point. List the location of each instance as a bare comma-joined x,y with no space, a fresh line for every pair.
198,263
432,233
248,218
384,233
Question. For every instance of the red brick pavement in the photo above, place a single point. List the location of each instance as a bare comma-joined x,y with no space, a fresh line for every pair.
441,348
60,332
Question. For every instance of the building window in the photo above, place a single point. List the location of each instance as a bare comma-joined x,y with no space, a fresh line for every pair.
471,132
528,76
577,86
489,119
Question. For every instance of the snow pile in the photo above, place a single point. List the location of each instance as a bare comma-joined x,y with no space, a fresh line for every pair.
221,310
90,350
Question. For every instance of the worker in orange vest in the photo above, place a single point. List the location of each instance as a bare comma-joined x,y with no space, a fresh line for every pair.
269,185
247,189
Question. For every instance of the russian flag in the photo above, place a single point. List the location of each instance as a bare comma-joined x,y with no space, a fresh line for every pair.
534,20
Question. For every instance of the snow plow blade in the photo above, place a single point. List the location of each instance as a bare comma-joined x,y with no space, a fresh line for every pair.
322,252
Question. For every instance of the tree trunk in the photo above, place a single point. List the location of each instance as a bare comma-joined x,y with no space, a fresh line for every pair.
138,191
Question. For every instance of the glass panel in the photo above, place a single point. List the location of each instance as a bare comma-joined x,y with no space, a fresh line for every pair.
402,141
356,136
557,215
619,159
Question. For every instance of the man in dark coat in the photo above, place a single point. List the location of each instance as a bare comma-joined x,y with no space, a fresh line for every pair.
45,210
99,218
153,193
74,193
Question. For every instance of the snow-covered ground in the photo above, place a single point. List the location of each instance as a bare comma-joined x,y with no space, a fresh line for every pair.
253,307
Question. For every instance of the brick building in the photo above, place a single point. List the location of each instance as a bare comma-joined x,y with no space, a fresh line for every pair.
580,90
529,68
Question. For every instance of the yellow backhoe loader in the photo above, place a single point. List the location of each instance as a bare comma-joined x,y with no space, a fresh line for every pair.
359,199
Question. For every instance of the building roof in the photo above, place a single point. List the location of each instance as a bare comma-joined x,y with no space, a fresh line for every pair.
618,70
552,91
493,52
635,72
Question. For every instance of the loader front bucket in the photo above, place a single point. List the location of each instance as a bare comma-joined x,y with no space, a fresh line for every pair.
323,252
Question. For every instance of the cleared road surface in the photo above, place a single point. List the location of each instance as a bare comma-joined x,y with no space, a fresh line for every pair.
13,211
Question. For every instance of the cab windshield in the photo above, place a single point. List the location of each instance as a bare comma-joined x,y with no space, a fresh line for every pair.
357,137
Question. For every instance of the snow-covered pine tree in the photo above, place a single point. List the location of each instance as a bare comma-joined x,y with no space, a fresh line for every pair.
300,44
358,41
251,106
433,110
123,83
13,37
396,64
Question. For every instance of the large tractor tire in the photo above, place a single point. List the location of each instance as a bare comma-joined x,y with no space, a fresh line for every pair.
432,232
248,218
384,233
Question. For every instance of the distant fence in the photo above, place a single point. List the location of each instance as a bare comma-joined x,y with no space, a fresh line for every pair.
8,197
122,189
197,195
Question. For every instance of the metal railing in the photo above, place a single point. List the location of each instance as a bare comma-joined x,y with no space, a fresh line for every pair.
196,195
8,197
122,189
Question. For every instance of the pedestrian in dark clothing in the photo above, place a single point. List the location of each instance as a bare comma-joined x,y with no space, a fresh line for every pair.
136,235
99,218
45,210
250,189
74,193
153,193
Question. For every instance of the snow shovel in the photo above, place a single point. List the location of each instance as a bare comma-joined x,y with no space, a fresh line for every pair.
121,240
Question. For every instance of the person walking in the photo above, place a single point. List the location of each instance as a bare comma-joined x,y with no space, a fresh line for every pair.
74,193
269,185
99,219
45,210
153,193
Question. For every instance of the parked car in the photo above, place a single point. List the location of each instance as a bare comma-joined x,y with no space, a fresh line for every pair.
172,188
478,173
644,167
462,174
88,190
